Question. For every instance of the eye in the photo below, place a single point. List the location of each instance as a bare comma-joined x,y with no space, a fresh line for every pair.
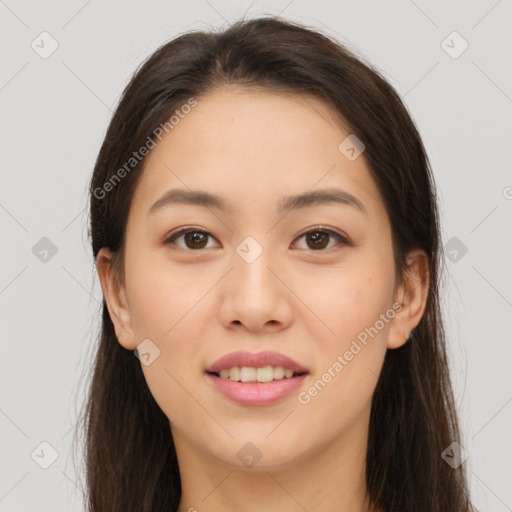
319,238
194,238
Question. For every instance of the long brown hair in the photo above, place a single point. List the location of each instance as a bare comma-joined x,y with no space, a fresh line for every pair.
130,458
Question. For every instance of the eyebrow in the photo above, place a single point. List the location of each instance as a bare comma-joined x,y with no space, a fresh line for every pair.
294,202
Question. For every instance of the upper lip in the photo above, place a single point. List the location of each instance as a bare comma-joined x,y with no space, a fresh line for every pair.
255,360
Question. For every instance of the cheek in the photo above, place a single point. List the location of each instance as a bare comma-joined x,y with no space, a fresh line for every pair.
355,307
163,296
166,308
345,300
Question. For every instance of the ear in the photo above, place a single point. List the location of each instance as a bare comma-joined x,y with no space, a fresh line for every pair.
114,293
412,293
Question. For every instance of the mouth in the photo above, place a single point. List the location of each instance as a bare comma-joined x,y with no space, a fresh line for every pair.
261,375
262,378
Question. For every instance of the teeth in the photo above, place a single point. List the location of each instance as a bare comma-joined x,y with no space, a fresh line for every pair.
249,374
278,372
265,374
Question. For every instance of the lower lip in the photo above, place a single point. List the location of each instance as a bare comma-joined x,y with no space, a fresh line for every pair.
254,393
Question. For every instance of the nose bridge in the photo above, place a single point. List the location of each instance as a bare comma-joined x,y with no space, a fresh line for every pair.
250,250
251,265
254,296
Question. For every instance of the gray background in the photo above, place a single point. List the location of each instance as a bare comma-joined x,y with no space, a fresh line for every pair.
55,111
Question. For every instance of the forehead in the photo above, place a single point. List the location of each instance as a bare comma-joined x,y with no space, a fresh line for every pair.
255,146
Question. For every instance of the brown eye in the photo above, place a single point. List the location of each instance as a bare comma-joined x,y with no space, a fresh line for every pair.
193,238
319,238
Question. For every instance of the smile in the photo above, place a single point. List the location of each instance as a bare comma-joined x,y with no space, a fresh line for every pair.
263,374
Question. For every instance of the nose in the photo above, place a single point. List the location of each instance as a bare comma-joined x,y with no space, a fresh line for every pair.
256,295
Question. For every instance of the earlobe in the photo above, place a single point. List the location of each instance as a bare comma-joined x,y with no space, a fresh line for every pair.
412,295
397,339
114,294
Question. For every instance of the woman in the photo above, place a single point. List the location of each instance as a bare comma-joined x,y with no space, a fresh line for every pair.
265,230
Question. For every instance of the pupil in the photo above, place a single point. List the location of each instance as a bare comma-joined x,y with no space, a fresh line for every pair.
196,236
315,239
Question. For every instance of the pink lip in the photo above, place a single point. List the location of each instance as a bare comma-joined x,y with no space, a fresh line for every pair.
256,393
255,360
248,393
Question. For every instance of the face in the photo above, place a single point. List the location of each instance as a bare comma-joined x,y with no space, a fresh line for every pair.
311,280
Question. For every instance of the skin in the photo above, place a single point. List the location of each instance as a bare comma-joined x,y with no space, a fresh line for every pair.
196,305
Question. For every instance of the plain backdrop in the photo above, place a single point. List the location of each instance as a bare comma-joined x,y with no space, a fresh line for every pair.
55,111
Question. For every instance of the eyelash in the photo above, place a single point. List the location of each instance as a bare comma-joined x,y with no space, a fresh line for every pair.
170,239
